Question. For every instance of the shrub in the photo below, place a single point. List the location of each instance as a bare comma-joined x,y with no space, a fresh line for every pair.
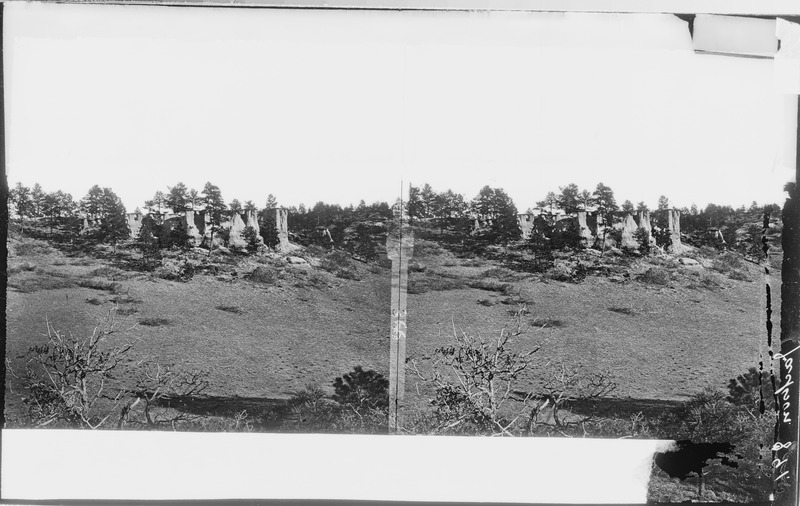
433,283
362,389
744,390
67,380
491,286
100,284
340,264
28,247
229,309
154,322
176,270
731,264
623,310
655,276
24,266
31,285
474,381
263,274
127,311
251,237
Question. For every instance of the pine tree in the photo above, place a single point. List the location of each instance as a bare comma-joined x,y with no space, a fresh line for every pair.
177,198
37,200
114,225
214,207
92,204
603,197
272,202
427,196
569,200
550,202
641,206
663,203
249,206
155,206
193,199
20,196
415,207
586,200
235,206
627,206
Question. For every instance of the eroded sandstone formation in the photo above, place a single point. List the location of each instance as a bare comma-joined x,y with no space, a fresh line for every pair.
282,224
134,223
623,230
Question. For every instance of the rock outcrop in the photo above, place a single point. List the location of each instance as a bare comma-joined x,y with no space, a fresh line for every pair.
585,233
628,236
526,225
282,224
674,227
645,227
134,223
195,236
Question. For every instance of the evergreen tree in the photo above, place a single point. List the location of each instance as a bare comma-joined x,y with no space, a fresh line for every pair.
92,204
495,206
586,200
214,207
20,196
193,199
37,200
627,206
569,200
641,206
235,206
663,203
249,206
415,207
113,221
177,198
155,206
604,198
427,197
272,202
149,241
550,202
268,228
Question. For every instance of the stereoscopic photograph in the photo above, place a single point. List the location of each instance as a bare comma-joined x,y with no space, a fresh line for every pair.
509,224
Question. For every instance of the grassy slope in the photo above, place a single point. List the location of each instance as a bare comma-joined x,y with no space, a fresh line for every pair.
283,339
679,338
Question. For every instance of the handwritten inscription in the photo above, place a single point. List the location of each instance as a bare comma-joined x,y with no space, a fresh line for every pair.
783,398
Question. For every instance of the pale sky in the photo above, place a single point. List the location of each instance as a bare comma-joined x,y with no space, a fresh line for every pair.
342,105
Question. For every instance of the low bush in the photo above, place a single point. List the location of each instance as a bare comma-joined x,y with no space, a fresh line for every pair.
28,247
230,309
731,264
94,301
503,274
655,276
563,271
155,322
24,266
264,275
340,264
127,311
38,283
491,286
433,283
100,284
623,310
111,273
176,270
